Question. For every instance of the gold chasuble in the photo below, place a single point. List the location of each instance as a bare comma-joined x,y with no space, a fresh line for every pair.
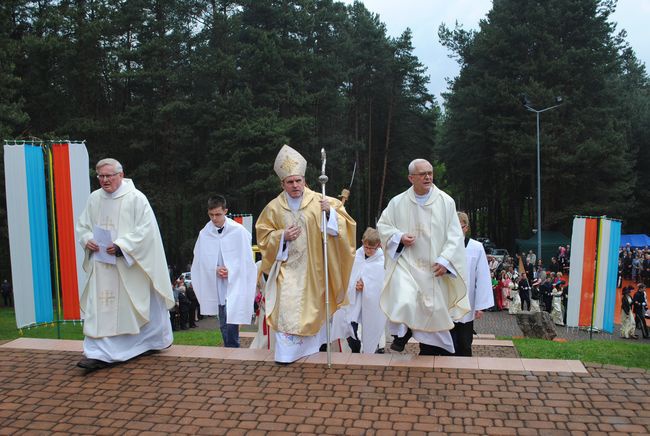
411,294
295,297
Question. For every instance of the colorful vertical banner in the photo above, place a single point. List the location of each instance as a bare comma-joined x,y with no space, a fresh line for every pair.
69,161
28,234
593,273
30,230
575,272
245,220
608,275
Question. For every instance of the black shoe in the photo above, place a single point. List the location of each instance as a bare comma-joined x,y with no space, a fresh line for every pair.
93,364
193,326
380,351
400,343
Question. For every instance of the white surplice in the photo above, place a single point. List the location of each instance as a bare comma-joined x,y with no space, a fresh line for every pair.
230,248
364,305
479,284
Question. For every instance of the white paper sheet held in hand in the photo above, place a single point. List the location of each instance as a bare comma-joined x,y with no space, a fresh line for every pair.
104,240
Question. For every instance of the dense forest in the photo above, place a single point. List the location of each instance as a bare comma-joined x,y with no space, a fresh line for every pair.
594,147
196,97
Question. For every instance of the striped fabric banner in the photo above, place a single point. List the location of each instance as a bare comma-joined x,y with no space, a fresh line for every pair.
575,272
593,273
588,272
28,234
245,220
80,191
30,231
71,189
608,274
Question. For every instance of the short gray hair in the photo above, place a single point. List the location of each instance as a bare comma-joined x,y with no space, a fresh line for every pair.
414,162
109,161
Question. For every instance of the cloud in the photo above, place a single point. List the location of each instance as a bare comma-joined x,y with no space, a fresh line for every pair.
424,17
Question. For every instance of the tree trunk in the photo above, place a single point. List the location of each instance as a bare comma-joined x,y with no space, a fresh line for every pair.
369,183
389,121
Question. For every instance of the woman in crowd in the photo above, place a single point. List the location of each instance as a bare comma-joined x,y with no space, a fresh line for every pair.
627,315
505,286
515,300
556,311
524,291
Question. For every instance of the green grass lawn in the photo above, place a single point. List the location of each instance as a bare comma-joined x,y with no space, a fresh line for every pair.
632,354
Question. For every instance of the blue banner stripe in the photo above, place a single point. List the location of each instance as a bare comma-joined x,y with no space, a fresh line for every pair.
39,234
612,277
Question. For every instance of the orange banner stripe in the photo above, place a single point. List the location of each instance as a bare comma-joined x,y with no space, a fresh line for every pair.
65,232
588,272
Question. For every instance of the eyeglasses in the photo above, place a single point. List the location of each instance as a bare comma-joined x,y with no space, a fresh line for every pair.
368,247
424,174
106,176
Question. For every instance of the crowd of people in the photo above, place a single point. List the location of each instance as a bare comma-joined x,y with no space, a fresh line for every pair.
525,284
187,310
634,264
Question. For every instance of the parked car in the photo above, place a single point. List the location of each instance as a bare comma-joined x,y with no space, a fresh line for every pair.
488,245
499,254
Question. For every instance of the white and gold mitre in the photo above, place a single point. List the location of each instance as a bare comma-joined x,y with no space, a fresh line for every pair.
289,163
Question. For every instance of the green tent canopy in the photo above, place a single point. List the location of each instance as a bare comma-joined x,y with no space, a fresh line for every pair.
550,242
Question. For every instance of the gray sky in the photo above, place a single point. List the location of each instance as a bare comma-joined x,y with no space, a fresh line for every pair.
424,17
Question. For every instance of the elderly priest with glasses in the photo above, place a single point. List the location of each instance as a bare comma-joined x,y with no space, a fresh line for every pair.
127,294
426,270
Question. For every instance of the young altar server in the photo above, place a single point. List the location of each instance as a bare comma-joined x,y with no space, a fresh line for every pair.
364,289
224,272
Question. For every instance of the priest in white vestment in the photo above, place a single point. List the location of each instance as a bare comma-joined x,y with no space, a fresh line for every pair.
289,234
425,289
127,293
479,291
223,271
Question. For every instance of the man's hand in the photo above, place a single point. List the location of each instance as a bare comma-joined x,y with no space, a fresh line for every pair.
291,233
92,245
359,285
222,272
112,250
439,270
478,314
324,205
408,239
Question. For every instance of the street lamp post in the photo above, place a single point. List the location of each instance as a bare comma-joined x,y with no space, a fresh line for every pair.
526,103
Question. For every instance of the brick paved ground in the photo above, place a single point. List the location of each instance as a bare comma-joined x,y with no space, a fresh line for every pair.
44,392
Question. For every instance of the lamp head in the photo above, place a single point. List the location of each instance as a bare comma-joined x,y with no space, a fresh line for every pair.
558,99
